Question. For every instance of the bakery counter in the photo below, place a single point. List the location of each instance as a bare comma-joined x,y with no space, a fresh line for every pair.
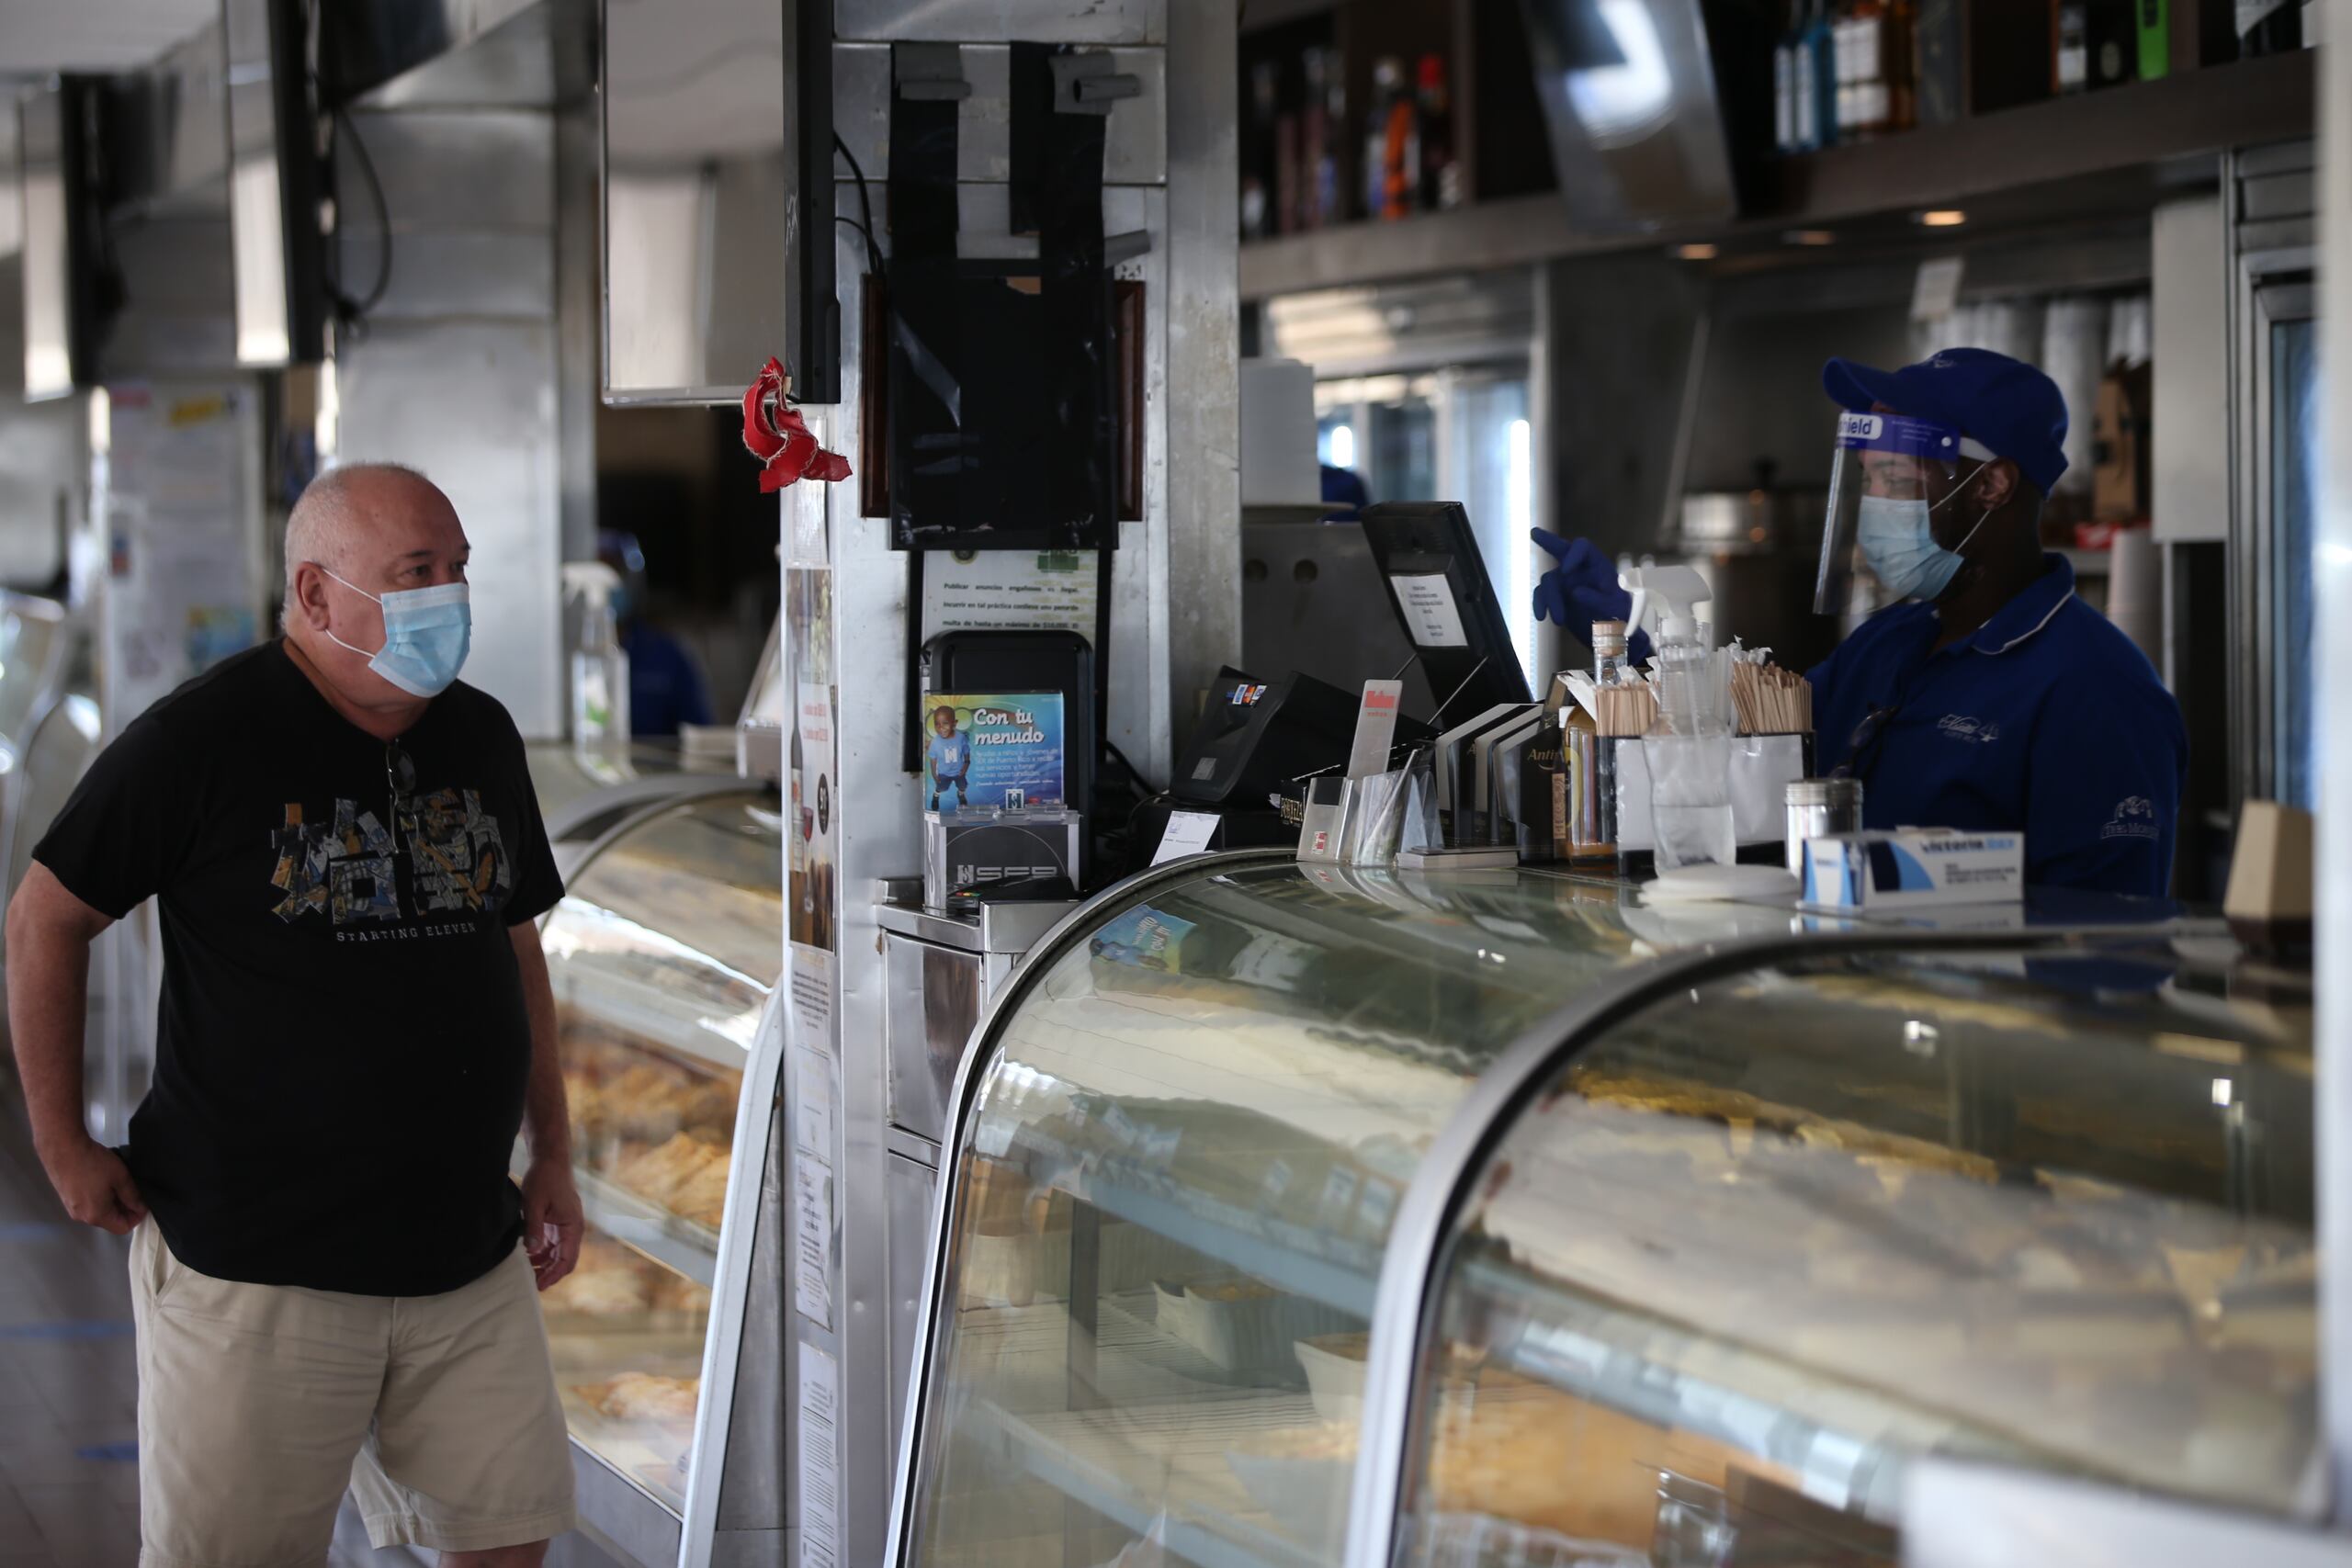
663,956
1301,1217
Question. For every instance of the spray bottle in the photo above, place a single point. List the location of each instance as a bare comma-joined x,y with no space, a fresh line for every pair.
1688,751
599,667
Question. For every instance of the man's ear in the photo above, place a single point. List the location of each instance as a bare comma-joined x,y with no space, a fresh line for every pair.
1997,486
310,595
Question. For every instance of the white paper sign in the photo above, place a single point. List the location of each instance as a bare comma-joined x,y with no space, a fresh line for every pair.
813,1105
1015,590
812,1240
1431,614
1936,294
821,1464
1188,834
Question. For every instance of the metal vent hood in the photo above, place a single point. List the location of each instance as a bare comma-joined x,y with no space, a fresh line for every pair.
404,54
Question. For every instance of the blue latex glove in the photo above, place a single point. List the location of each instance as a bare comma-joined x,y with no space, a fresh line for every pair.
1583,589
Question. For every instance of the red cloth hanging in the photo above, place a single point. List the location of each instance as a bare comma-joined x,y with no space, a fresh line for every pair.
775,433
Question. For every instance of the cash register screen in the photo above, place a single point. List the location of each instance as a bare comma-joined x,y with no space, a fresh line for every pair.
1438,586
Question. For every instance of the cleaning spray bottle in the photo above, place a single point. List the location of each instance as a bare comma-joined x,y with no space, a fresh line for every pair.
599,667
1689,748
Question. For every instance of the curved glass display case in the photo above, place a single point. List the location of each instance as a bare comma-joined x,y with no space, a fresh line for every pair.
663,956
1304,1216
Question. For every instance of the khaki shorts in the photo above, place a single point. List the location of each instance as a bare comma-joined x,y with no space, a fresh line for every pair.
258,1404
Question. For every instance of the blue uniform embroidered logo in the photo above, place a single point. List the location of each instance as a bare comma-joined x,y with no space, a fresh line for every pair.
1965,727
2135,817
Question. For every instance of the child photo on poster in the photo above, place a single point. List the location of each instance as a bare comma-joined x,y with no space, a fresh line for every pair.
993,751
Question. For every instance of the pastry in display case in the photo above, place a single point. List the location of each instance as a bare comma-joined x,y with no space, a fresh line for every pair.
663,957
1733,1241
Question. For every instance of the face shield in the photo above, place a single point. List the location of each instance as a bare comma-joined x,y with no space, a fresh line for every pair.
1889,485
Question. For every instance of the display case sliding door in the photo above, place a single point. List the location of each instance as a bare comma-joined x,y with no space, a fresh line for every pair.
663,956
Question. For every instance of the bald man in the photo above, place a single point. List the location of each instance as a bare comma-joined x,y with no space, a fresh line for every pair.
331,1275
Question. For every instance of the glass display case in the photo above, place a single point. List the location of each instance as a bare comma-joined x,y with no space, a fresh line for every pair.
1303,1216
663,956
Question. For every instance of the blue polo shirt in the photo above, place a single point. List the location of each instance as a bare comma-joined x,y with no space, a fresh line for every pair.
2047,719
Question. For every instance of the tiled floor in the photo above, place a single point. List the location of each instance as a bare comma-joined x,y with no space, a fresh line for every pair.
69,1471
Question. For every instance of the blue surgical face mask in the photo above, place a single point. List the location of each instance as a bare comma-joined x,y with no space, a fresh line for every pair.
427,632
1898,541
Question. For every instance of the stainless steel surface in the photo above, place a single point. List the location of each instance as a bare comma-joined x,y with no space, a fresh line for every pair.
1170,582
968,1072
419,54
2190,276
539,56
169,138
1462,318
1633,148
911,1188
2270,286
993,21
508,157
180,319
1134,146
259,223
702,207
1200,587
464,382
880,814
1964,1516
2332,602
914,1146
579,330
1004,928
1818,808
933,1000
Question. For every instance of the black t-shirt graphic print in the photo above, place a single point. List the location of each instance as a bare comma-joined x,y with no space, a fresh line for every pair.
341,1044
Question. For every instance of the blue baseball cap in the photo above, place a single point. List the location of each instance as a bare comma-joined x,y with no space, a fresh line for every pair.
2015,410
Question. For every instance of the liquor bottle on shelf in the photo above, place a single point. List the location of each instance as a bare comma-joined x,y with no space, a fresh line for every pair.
2111,42
1784,86
1440,176
1400,147
1321,125
1387,85
1258,154
2152,20
1817,80
1899,57
2069,47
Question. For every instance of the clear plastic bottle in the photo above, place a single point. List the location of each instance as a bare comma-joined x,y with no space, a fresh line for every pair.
600,718
1688,751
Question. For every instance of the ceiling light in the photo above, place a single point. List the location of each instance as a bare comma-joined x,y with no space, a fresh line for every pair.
1809,237
1941,217
1700,252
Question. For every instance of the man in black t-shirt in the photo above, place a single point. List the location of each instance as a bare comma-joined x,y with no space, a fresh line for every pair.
331,1273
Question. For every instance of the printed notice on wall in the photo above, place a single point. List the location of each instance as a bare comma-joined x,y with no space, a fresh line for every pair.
812,1239
820,1465
814,1059
1431,615
1010,590
813,1105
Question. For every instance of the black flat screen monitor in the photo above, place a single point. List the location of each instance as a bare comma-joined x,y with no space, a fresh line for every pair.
1438,589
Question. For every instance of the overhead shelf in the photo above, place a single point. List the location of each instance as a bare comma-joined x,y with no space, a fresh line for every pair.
2059,159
